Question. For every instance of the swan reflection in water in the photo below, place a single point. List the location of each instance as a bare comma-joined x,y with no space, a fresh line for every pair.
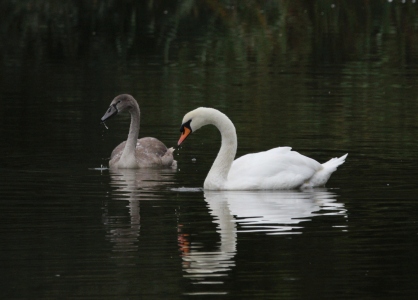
233,212
133,186
271,212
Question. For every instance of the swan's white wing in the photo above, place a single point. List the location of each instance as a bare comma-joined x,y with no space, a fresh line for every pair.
278,168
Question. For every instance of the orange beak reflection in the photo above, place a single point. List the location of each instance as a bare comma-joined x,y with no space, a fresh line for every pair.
184,135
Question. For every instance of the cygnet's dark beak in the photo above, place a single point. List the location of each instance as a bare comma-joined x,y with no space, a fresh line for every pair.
112,110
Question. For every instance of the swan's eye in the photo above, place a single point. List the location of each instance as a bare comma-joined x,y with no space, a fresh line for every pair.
185,125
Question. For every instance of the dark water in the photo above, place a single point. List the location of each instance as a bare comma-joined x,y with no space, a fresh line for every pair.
324,78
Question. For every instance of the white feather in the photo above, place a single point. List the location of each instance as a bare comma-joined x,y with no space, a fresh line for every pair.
276,169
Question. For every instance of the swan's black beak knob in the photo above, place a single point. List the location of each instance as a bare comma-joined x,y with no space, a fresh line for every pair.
112,110
185,130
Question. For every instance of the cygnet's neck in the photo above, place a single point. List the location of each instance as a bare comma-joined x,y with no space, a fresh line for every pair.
128,154
218,174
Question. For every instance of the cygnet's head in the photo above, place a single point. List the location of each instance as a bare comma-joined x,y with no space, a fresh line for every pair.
119,104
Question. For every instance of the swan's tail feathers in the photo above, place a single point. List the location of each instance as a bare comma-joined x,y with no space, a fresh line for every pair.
321,177
333,163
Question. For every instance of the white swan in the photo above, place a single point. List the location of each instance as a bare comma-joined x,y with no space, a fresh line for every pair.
136,153
278,168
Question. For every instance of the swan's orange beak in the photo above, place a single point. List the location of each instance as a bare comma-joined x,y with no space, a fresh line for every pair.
185,133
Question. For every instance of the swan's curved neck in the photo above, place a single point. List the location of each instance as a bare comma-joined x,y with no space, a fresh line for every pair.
218,174
128,154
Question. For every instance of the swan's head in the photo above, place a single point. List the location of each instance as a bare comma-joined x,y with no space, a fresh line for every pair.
195,119
119,104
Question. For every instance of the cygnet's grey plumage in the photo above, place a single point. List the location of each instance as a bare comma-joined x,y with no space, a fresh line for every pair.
147,152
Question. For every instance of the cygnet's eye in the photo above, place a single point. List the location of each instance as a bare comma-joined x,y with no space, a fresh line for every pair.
114,105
